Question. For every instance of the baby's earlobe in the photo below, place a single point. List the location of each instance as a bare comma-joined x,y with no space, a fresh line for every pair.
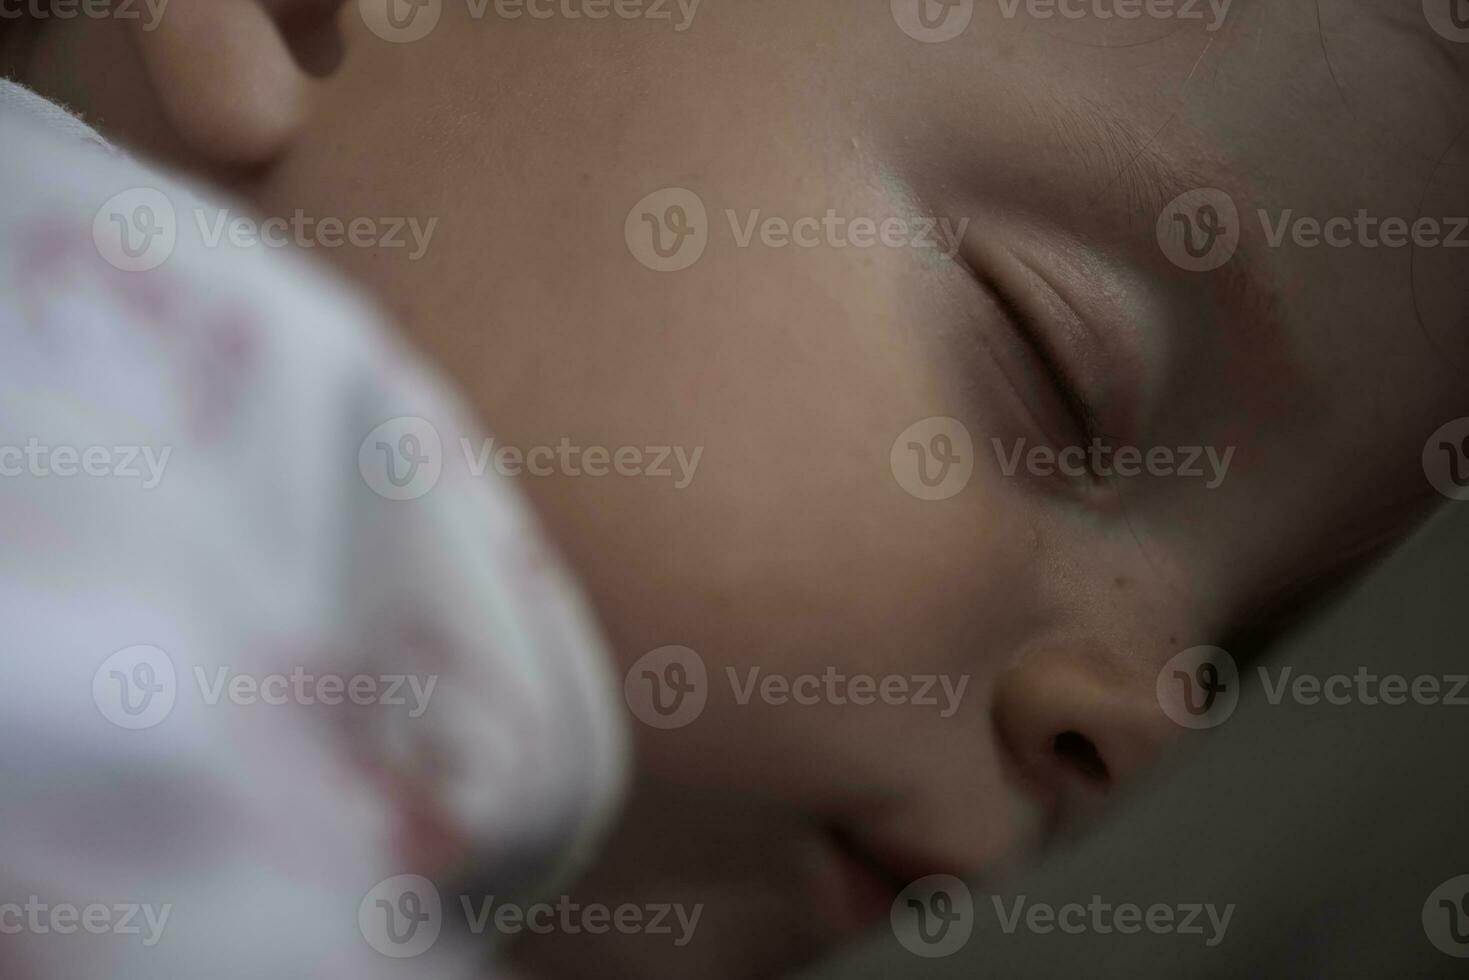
227,78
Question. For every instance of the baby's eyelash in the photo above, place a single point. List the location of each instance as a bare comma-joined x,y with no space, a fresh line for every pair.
1071,393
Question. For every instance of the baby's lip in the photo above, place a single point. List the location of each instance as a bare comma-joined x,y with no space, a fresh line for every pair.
872,873
902,864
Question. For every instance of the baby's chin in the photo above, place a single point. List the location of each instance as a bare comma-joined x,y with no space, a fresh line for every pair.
766,900
753,938
762,911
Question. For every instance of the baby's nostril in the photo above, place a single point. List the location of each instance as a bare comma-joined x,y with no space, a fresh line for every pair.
313,37
1077,752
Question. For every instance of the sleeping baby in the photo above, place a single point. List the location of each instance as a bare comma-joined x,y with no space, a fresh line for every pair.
906,386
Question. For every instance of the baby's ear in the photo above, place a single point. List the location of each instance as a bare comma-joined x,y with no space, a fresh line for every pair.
234,78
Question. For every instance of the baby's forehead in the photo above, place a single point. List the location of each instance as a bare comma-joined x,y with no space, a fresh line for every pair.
1330,110
1272,73
1296,121
1369,77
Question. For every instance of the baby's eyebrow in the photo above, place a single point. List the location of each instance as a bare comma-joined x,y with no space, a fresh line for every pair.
1131,169
1124,158
1134,171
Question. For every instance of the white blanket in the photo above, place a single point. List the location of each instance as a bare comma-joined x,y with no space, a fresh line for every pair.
270,674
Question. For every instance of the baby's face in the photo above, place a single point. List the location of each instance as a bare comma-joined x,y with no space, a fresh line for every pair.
950,647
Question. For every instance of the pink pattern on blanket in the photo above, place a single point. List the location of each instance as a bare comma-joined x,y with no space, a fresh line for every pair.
213,342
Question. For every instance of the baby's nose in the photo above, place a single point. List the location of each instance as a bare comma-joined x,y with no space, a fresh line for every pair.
1074,725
